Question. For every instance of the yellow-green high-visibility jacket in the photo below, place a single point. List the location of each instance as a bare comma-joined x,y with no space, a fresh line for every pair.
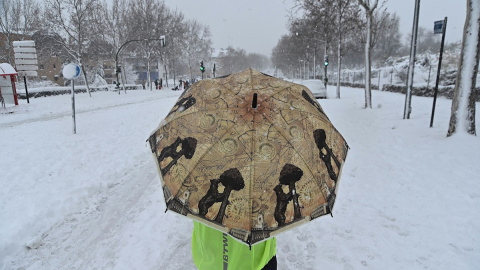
214,250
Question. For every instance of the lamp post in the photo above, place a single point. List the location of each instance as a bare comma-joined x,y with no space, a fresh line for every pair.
117,67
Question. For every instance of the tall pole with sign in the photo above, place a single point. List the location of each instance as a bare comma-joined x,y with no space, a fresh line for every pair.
25,60
71,72
440,27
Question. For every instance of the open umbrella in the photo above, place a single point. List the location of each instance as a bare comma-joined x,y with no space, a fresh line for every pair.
248,154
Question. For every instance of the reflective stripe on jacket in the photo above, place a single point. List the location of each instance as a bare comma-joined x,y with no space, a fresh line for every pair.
214,250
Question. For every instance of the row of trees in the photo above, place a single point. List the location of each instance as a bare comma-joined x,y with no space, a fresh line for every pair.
351,24
88,31
341,29
292,50
234,60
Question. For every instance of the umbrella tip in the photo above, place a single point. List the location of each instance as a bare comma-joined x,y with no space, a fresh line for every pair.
254,101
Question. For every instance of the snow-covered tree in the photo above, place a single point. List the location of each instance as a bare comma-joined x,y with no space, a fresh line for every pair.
198,45
19,19
463,105
345,13
175,29
370,6
233,60
74,24
283,55
146,26
389,39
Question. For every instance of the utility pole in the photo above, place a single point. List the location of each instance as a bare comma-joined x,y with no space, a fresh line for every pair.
411,66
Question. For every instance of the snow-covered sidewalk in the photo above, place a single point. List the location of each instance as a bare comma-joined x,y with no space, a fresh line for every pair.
408,196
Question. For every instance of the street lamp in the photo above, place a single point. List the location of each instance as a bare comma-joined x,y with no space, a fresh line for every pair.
117,67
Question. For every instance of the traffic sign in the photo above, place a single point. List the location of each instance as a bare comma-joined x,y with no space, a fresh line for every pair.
71,71
438,27
25,57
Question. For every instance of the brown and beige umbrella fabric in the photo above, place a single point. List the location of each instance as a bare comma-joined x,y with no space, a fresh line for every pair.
249,154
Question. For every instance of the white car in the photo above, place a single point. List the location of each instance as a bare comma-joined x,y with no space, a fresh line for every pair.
316,87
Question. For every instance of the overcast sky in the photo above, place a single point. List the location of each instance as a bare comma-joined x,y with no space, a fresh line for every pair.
257,25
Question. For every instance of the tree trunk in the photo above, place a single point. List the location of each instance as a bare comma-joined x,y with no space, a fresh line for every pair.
86,81
149,79
463,105
85,77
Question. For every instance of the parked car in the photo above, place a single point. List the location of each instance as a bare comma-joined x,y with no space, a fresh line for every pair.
316,87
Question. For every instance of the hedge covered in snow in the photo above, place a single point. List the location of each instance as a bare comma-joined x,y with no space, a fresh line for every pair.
65,90
424,91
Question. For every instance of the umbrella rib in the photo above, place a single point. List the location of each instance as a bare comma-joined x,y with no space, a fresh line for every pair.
287,89
308,112
182,114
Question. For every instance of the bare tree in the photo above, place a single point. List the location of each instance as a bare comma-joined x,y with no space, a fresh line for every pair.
233,60
115,34
321,19
322,23
389,38
148,20
258,61
73,24
463,105
198,44
142,20
175,29
283,56
344,9
30,21
19,19
8,20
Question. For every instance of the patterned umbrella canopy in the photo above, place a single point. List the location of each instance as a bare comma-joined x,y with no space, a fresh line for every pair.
248,154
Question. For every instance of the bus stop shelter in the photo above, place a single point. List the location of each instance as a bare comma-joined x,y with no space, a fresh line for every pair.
8,92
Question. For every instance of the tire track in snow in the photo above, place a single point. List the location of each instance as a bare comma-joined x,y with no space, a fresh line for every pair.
75,242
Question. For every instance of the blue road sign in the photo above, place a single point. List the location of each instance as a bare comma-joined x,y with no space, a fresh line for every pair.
438,27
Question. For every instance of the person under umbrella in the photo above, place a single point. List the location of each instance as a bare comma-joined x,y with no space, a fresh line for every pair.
247,156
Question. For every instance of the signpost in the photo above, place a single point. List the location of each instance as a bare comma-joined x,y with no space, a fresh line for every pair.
71,72
440,27
25,60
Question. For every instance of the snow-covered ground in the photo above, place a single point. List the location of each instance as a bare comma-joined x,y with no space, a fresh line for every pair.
409,197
